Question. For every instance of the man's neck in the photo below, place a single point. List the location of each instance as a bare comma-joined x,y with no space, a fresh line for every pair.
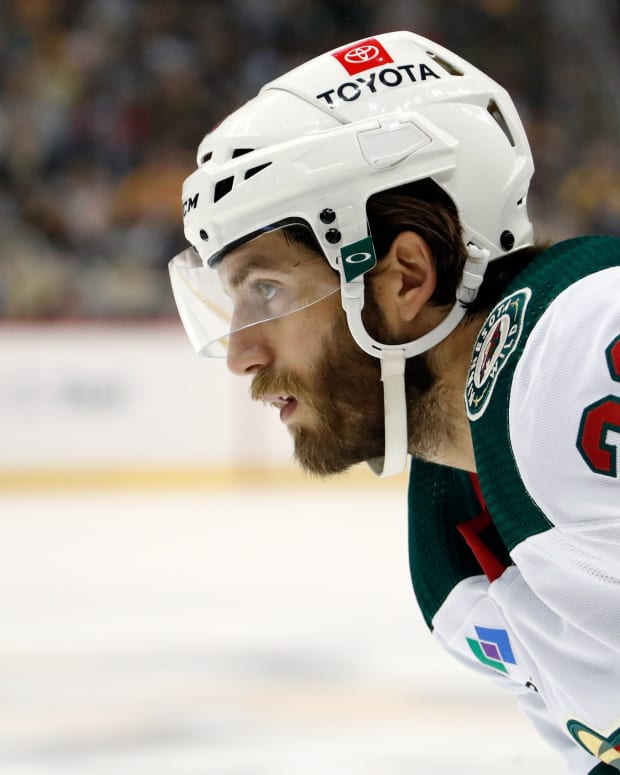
451,360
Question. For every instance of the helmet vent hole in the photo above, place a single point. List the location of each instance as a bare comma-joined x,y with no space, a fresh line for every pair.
222,187
241,152
206,157
255,170
497,115
447,66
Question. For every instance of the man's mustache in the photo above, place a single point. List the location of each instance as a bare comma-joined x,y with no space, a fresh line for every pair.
269,382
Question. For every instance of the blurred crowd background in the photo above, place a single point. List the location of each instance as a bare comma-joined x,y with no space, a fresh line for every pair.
103,104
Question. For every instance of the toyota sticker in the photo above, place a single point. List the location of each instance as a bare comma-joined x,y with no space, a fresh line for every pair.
362,56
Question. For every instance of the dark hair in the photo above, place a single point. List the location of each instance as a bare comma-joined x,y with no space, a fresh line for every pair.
424,207
301,234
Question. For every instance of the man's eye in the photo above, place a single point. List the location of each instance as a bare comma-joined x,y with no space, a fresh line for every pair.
265,290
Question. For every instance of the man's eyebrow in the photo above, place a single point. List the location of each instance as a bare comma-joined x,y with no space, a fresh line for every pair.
239,276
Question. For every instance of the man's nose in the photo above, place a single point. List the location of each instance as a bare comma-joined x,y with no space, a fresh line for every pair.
248,350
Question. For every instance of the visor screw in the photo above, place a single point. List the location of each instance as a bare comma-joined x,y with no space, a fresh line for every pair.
333,236
507,240
327,215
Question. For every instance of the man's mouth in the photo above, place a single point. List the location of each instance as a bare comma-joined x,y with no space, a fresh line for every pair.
286,404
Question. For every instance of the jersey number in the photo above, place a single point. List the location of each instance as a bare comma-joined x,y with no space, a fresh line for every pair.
600,417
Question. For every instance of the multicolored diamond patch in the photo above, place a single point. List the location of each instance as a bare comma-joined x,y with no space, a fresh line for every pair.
492,648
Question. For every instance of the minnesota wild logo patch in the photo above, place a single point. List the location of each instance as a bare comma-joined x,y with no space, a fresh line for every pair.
604,745
496,341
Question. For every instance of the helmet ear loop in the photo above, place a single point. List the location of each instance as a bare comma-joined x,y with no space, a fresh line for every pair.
473,273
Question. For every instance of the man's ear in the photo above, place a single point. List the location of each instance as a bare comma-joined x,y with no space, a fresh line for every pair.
413,273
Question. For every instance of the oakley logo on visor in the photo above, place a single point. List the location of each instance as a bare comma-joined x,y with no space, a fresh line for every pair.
362,56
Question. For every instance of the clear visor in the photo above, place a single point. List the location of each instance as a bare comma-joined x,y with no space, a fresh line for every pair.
264,279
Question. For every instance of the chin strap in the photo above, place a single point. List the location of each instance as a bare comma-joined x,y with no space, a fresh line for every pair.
395,414
393,366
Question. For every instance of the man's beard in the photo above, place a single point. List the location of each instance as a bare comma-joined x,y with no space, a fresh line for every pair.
344,394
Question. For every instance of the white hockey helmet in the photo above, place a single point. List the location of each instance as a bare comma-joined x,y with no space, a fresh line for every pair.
316,143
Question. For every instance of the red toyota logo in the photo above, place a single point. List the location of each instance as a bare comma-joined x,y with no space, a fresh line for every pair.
362,56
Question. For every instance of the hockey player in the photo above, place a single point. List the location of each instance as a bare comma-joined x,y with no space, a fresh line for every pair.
360,246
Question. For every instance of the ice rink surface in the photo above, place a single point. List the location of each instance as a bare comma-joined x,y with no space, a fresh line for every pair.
232,633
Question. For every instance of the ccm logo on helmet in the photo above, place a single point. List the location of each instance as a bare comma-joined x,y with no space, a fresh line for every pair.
190,203
388,77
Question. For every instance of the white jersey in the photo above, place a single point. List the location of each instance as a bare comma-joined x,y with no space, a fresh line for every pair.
523,582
